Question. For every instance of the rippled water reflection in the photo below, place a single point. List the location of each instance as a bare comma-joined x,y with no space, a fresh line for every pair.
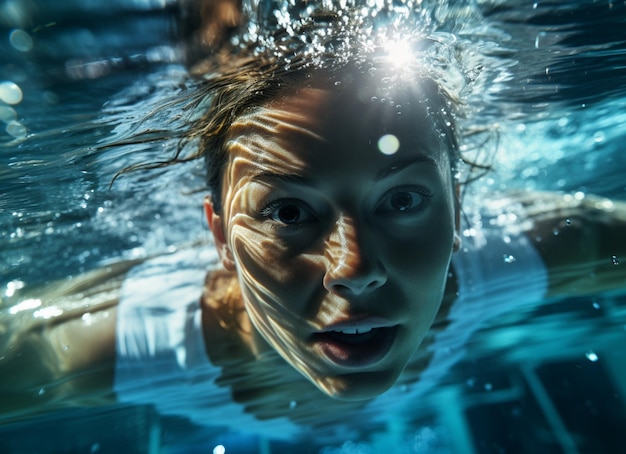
76,77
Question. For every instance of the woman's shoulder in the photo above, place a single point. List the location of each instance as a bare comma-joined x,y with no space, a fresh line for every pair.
580,238
60,338
497,247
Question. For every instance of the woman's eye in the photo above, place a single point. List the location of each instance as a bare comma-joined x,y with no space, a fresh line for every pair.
288,212
403,201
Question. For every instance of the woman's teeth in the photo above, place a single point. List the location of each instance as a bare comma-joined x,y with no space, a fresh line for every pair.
354,335
362,330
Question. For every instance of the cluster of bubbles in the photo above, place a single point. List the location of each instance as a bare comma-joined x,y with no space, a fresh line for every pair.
11,95
449,43
403,33
10,92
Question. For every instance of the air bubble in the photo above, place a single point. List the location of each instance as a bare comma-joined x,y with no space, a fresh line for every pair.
293,404
21,40
50,97
10,93
7,114
508,258
591,356
16,129
599,137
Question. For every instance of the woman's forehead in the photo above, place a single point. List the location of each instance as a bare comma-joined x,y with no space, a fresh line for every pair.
292,136
322,113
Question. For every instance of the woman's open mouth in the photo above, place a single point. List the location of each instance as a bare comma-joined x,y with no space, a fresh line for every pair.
354,347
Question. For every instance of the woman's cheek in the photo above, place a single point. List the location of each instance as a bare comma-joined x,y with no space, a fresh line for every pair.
261,256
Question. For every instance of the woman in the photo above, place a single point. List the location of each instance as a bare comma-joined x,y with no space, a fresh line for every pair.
334,205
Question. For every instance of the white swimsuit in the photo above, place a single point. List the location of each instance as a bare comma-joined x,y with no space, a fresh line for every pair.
161,358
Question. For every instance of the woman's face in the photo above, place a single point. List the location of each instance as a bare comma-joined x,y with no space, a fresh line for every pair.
341,249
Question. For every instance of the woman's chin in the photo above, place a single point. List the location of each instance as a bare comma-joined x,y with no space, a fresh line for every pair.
358,386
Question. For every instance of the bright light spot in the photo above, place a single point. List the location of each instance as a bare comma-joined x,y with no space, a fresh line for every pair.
398,52
14,286
48,312
508,258
10,93
468,233
24,306
591,356
219,449
388,144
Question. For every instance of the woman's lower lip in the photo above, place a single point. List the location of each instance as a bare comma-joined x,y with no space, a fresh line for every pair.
354,351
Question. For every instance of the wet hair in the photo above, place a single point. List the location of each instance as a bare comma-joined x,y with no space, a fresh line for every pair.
237,79
238,86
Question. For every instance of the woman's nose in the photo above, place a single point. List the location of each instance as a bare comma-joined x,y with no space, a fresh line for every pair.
353,267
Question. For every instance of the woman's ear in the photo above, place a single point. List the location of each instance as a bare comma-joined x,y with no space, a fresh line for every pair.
457,217
217,228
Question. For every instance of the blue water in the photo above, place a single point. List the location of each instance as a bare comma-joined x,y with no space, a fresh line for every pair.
546,379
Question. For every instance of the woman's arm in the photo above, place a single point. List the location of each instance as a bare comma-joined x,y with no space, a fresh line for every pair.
57,345
581,239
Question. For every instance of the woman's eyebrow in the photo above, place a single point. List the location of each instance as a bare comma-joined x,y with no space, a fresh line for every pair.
403,164
289,178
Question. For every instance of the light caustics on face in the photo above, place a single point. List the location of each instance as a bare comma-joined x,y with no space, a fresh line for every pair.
253,246
341,251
